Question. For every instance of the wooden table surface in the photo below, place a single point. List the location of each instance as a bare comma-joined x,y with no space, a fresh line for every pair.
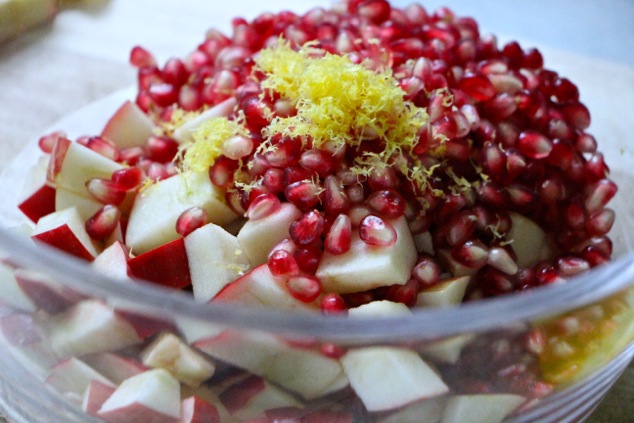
82,56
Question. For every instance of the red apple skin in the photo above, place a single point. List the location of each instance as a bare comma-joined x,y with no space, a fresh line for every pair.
64,239
46,294
136,412
116,368
146,326
96,394
325,416
165,265
238,396
39,204
196,410
57,159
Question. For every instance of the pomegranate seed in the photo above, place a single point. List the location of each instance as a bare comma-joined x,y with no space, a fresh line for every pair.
102,146
586,143
162,149
256,111
307,229
461,227
601,222
318,161
571,265
46,142
262,206
499,107
175,72
141,58
105,191
406,294
282,263
304,194
296,174
599,194
376,11
493,282
384,178
335,198
332,304
221,173
190,220
478,87
339,237
128,179
231,56
500,259
357,214
426,272
377,232
595,168
522,198
332,351
506,83
157,172
387,203
103,223
286,152
577,115
131,155
237,147
594,256
305,288
534,145
163,94
472,253
356,193
273,180
548,276
284,108
233,199
308,258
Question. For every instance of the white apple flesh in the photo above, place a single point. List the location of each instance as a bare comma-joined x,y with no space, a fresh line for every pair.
527,239
197,410
73,376
184,132
128,126
115,367
95,395
481,408
447,293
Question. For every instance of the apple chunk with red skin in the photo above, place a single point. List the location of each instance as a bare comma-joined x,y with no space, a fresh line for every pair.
129,126
116,368
113,261
165,265
528,239
258,237
366,267
65,230
153,216
151,397
72,375
39,204
95,395
196,410
480,408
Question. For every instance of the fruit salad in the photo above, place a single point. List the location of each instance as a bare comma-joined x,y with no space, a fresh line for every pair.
359,161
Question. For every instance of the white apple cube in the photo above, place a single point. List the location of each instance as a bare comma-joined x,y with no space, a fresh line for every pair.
527,239
129,126
65,230
447,350
366,267
196,410
73,376
184,133
386,378
455,268
194,330
215,258
88,327
170,353
113,261
81,164
86,206
304,371
10,292
115,367
46,293
152,221
379,309
446,293
151,397
95,395
424,243
427,411
258,237
480,408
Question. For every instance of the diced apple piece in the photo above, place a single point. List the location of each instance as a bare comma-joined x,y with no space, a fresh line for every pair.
248,399
116,368
129,126
170,353
80,165
10,292
197,410
95,395
366,267
65,230
427,411
46,293
144,320
73,376
194,330
184,132
165,265
456,269
86,207
385,378
483,408
446,293
447,350
39,204
113,261
379,309
304,371
215,258
258,237
259,288
155,210
88,327
151,397
424,243
528,239
204,393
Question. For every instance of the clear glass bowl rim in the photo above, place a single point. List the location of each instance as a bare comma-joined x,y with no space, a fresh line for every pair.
425,323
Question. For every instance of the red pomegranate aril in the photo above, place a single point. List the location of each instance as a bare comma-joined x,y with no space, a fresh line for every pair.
406,294
577,115
46,142
500,107
163,94
377,232
157,172
500,259
478,87
333,304
105,191
189,98
522,198
233,198
283,263
356,193
533,59
601,222
131,155
175,72
102,146
493,160
387,203
594,256
237,147
358,213
103,223
506,83
574,215
318,161
586,143
382,178
571,265
162,149
332,351
548,276
336,200
231,56
534,145
595,168
297,174
493,282
286,152
305,288
221,173
472,253
256,111
307,229
377,11
273,180
141,58
128,179
461,227
190,220
599,194
308,258
262,206
339,237
304,194
426,271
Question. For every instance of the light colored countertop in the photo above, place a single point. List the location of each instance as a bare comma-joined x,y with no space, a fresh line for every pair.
82,57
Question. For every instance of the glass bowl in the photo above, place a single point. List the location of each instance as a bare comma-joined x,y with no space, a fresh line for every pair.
547,355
